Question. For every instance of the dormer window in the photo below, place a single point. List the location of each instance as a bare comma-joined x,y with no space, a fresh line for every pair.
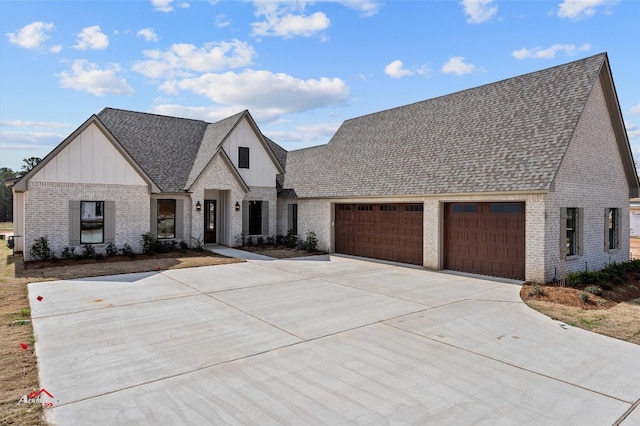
243,157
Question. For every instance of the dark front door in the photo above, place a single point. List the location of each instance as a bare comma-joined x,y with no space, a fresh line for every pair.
209,221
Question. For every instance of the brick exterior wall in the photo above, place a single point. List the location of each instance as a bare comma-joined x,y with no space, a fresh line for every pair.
47,212
283,215
590,177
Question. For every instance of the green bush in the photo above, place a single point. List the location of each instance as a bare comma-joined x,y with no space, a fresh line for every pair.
40,249
536,291
290,240
585,297
127,251
88,251
311,243
573,279
111,250
69,252
198,244
594,289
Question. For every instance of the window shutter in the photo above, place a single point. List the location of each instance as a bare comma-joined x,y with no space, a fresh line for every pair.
265,218
563,232
292,216
245,217
606,229
579,221
179,219
154,218
74,223
109,222
289,217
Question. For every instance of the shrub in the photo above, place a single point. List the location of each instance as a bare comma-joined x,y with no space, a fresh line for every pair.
605,285
270,240
149,243
260,240
249,241
279,240
573,279
290,240
198,244
536,291
594,289
69,252
311,243
40,249
127,251
618,280
111,250
584,296
183,245
88,251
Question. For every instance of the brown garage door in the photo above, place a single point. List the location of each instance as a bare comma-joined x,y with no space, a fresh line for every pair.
380,231
485,238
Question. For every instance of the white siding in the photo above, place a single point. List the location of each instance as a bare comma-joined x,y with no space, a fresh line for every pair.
261,171
89,158
591,177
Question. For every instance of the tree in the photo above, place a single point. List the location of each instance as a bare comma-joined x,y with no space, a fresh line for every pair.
6,196
30,163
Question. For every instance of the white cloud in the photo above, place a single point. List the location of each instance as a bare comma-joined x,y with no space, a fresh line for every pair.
272,94
479,11
42,124
86,76
580,9
92,38
287,19
167,5
55,49
366,8
31,36
182,59
307,134
635,110
222,21
148,34
550,53
395,69
457,66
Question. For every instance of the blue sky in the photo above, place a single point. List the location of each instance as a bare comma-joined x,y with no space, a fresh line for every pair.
300,67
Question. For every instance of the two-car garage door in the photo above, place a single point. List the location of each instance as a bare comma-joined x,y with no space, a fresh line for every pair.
481,238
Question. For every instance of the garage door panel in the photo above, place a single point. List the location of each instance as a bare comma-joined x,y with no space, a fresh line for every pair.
485,238
381,231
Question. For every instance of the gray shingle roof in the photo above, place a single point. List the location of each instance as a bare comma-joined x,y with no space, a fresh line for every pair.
172,151
505,136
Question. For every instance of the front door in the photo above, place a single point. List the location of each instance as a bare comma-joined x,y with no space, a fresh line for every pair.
209,221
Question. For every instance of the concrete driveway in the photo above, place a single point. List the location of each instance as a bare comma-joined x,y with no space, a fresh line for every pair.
320,340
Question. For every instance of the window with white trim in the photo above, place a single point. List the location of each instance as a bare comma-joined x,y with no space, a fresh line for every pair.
91,222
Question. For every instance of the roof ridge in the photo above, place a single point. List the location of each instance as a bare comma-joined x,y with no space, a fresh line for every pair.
566,64
153,114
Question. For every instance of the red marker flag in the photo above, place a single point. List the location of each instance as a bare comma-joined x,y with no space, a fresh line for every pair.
24,346
39,298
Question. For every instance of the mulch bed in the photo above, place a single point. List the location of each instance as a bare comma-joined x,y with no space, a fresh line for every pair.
570,296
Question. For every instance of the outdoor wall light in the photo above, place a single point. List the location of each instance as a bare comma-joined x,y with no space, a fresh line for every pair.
198,206
237,206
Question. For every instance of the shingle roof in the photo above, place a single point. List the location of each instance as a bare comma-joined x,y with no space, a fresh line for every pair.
164,147
172,151
505,136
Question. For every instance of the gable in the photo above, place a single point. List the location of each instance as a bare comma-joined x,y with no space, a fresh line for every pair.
508,136
89,158
262,169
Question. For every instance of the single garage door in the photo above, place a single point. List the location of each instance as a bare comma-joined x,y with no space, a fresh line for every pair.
380,231
485,238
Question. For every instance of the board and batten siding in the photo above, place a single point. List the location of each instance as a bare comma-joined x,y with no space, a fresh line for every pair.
89,158
261,172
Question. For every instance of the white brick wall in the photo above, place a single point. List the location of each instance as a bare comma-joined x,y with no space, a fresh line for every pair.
283,215
591,177
47,212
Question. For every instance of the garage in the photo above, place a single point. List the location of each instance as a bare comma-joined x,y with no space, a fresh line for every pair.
485,238
380,231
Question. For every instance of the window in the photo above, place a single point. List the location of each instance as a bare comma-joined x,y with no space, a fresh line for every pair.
293,219
255,217
463,208
572,232
612,219
166,218
243,157
414,208
344,207
365,208
388,207
505,208
91,222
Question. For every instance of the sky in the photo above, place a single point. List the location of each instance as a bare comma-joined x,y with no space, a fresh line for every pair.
300,67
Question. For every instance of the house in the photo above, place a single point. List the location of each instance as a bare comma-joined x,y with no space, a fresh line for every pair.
526,178
123,173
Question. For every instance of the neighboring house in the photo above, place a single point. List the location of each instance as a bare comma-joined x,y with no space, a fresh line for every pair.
122,174
527,178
